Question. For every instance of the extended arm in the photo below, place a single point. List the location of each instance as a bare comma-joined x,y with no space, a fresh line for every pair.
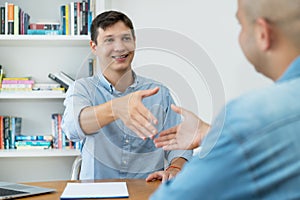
129,109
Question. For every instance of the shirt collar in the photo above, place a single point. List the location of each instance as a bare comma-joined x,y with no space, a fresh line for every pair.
111,89
293,71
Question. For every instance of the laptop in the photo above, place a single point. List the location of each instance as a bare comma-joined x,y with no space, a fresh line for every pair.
15,190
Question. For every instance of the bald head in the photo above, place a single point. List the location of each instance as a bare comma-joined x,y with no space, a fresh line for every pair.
285,14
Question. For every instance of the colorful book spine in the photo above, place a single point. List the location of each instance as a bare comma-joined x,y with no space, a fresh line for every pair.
10,18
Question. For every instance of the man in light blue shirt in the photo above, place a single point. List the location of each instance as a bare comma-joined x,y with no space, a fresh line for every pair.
257,155
116,113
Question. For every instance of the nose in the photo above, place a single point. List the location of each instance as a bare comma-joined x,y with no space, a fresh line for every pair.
119,46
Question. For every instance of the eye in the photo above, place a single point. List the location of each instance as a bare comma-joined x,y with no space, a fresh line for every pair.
108,40
127,38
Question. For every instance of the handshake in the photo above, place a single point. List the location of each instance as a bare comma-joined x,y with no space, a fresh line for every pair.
186,135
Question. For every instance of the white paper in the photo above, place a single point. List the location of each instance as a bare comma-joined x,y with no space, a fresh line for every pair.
95,190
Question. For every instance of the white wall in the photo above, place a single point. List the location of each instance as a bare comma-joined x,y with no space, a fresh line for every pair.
212,25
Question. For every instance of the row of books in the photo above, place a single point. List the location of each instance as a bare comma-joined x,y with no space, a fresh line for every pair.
11,136
13,20
76,17
60,140
26,84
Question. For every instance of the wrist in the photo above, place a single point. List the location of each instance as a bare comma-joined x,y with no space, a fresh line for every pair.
173,167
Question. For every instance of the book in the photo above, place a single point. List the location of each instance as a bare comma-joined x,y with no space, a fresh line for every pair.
2,20
16,20
43,32
58,79
1,132
16,78
67,17
33,137
62,78
15,129
10,18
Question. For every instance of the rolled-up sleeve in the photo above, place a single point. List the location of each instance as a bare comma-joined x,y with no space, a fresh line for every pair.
76,100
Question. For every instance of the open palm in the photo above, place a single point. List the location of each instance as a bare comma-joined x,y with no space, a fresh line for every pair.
186,135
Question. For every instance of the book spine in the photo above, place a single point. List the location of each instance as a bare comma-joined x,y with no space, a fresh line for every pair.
16,20
18,85
67,19
5,81
10,19
5,18
1,133
75,18
63,19
2,18
56,79
72,18
60,134
79,27
6,121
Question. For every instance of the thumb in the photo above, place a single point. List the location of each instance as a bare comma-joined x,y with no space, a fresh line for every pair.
177,109
150,92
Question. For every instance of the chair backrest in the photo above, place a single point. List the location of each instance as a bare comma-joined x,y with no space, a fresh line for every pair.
76,168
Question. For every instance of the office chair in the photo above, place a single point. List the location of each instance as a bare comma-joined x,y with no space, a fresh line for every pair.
76,168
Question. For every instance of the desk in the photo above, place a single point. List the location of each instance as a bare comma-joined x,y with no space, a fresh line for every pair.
138,189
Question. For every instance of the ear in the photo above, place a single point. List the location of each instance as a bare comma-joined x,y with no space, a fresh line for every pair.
93,47
263,32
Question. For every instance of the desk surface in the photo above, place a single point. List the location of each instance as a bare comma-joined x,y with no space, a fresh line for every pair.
138,189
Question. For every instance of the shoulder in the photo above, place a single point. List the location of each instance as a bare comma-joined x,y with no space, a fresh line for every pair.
83,85
260,108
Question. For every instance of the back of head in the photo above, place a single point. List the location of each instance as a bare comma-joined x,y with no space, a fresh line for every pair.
285,14
107,19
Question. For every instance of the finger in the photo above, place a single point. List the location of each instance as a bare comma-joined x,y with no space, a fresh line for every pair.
155,176
165,144
134,129
176,109
150,92
144,131
165,138
172,130
169,147
147,115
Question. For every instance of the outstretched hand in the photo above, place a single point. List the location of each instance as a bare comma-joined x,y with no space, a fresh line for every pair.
186,135
134,114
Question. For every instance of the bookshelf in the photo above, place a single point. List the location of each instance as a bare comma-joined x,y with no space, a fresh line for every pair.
36,56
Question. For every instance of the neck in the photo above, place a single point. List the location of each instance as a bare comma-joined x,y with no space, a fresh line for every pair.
120,80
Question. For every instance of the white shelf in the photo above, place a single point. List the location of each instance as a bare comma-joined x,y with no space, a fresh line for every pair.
38,40
12,153
32,95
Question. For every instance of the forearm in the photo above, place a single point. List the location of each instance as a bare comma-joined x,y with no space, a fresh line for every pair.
93,118
178,162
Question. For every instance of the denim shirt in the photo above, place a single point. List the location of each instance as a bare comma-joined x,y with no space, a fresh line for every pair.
257,155
115,151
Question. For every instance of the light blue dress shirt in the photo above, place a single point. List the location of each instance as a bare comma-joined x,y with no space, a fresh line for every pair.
258,153
115,151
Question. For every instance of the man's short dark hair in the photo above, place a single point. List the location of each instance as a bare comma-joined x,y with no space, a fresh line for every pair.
107,19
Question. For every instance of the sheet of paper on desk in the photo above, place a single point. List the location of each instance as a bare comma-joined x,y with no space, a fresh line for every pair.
95,190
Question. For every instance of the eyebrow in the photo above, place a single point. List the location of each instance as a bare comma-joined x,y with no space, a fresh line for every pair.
122,34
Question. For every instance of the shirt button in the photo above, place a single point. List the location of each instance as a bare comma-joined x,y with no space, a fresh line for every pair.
124,162
127,141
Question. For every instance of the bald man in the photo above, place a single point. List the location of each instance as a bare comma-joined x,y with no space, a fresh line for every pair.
257,155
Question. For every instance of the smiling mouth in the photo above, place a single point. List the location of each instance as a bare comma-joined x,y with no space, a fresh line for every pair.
121,56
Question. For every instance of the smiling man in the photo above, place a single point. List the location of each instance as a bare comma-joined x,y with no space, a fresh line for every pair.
117,113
